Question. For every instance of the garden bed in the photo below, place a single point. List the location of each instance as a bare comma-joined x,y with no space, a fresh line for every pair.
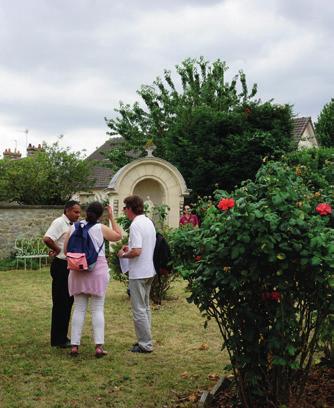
319,392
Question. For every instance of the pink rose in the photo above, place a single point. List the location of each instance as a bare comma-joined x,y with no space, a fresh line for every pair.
226,203
323,209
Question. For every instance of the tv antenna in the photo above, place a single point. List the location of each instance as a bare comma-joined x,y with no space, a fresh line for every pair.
26,131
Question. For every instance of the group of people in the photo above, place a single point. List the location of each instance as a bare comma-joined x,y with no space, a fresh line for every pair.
77,287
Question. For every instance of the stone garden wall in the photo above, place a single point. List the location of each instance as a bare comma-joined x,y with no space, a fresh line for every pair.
24,222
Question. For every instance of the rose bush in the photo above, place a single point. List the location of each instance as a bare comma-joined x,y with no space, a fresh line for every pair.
265,276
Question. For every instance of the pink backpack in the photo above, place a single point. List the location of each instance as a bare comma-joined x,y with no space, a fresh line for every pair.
77,261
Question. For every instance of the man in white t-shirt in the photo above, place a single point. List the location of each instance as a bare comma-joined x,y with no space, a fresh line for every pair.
61,300
139,251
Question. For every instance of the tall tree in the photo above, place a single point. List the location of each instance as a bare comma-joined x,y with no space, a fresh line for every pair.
324,127
50,177
212,130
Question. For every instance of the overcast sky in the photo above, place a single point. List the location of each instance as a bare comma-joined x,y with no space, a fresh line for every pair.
66,64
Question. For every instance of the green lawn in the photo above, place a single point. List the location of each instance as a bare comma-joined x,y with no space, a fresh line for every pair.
32,374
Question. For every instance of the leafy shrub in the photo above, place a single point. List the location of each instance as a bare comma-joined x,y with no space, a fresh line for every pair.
7,264
324,127
315,166
261,266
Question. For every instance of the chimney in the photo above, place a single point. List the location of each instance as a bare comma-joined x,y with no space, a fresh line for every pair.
9,155
31,149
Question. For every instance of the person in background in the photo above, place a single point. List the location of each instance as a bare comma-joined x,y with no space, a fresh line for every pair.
188,217
85,285
61,300
142,238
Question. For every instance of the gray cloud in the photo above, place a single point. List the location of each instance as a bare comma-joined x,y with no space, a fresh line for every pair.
65,65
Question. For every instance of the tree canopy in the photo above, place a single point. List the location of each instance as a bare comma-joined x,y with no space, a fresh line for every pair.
213,131
48,177
324,128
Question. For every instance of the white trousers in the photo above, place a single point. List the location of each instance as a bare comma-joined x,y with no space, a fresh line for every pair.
79,314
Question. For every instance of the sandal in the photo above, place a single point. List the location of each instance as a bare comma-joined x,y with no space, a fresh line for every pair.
99,352
74,351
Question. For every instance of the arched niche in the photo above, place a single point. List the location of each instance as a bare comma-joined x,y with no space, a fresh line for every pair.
150,176
149,187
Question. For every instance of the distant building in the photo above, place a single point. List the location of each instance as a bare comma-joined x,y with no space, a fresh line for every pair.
303,133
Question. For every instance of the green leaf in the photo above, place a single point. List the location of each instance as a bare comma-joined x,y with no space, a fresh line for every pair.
279,361
331,282
280,256
291,350
315,261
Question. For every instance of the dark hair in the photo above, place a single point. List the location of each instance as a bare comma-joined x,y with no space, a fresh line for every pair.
94,211
135,203
70,204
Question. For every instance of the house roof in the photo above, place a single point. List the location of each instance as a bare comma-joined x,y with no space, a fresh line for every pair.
299,126
100,173
106,147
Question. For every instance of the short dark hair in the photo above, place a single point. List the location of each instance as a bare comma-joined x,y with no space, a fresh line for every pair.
135,203
94,211
70,204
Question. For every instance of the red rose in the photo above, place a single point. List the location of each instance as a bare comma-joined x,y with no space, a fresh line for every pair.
276,296
226,203
198,258
323,209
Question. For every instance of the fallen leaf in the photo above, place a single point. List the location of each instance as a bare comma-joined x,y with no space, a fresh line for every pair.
185,374
213,377
203,346
193,397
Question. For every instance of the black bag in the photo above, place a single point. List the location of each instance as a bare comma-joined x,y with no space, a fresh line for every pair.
162,256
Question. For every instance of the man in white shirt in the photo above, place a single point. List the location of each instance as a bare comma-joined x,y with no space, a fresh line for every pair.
139,251
61,300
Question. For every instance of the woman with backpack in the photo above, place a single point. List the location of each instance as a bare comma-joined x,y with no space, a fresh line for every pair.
92,281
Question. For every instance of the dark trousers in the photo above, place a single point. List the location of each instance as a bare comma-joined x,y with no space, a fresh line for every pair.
61,302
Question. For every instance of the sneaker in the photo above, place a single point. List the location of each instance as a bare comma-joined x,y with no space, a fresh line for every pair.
99,352
137,349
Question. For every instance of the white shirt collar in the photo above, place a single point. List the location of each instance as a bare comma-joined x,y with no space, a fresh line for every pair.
68,222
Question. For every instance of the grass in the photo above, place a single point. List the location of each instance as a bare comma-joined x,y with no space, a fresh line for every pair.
32,374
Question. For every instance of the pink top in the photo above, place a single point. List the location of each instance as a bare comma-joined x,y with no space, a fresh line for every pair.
96,281
189,219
